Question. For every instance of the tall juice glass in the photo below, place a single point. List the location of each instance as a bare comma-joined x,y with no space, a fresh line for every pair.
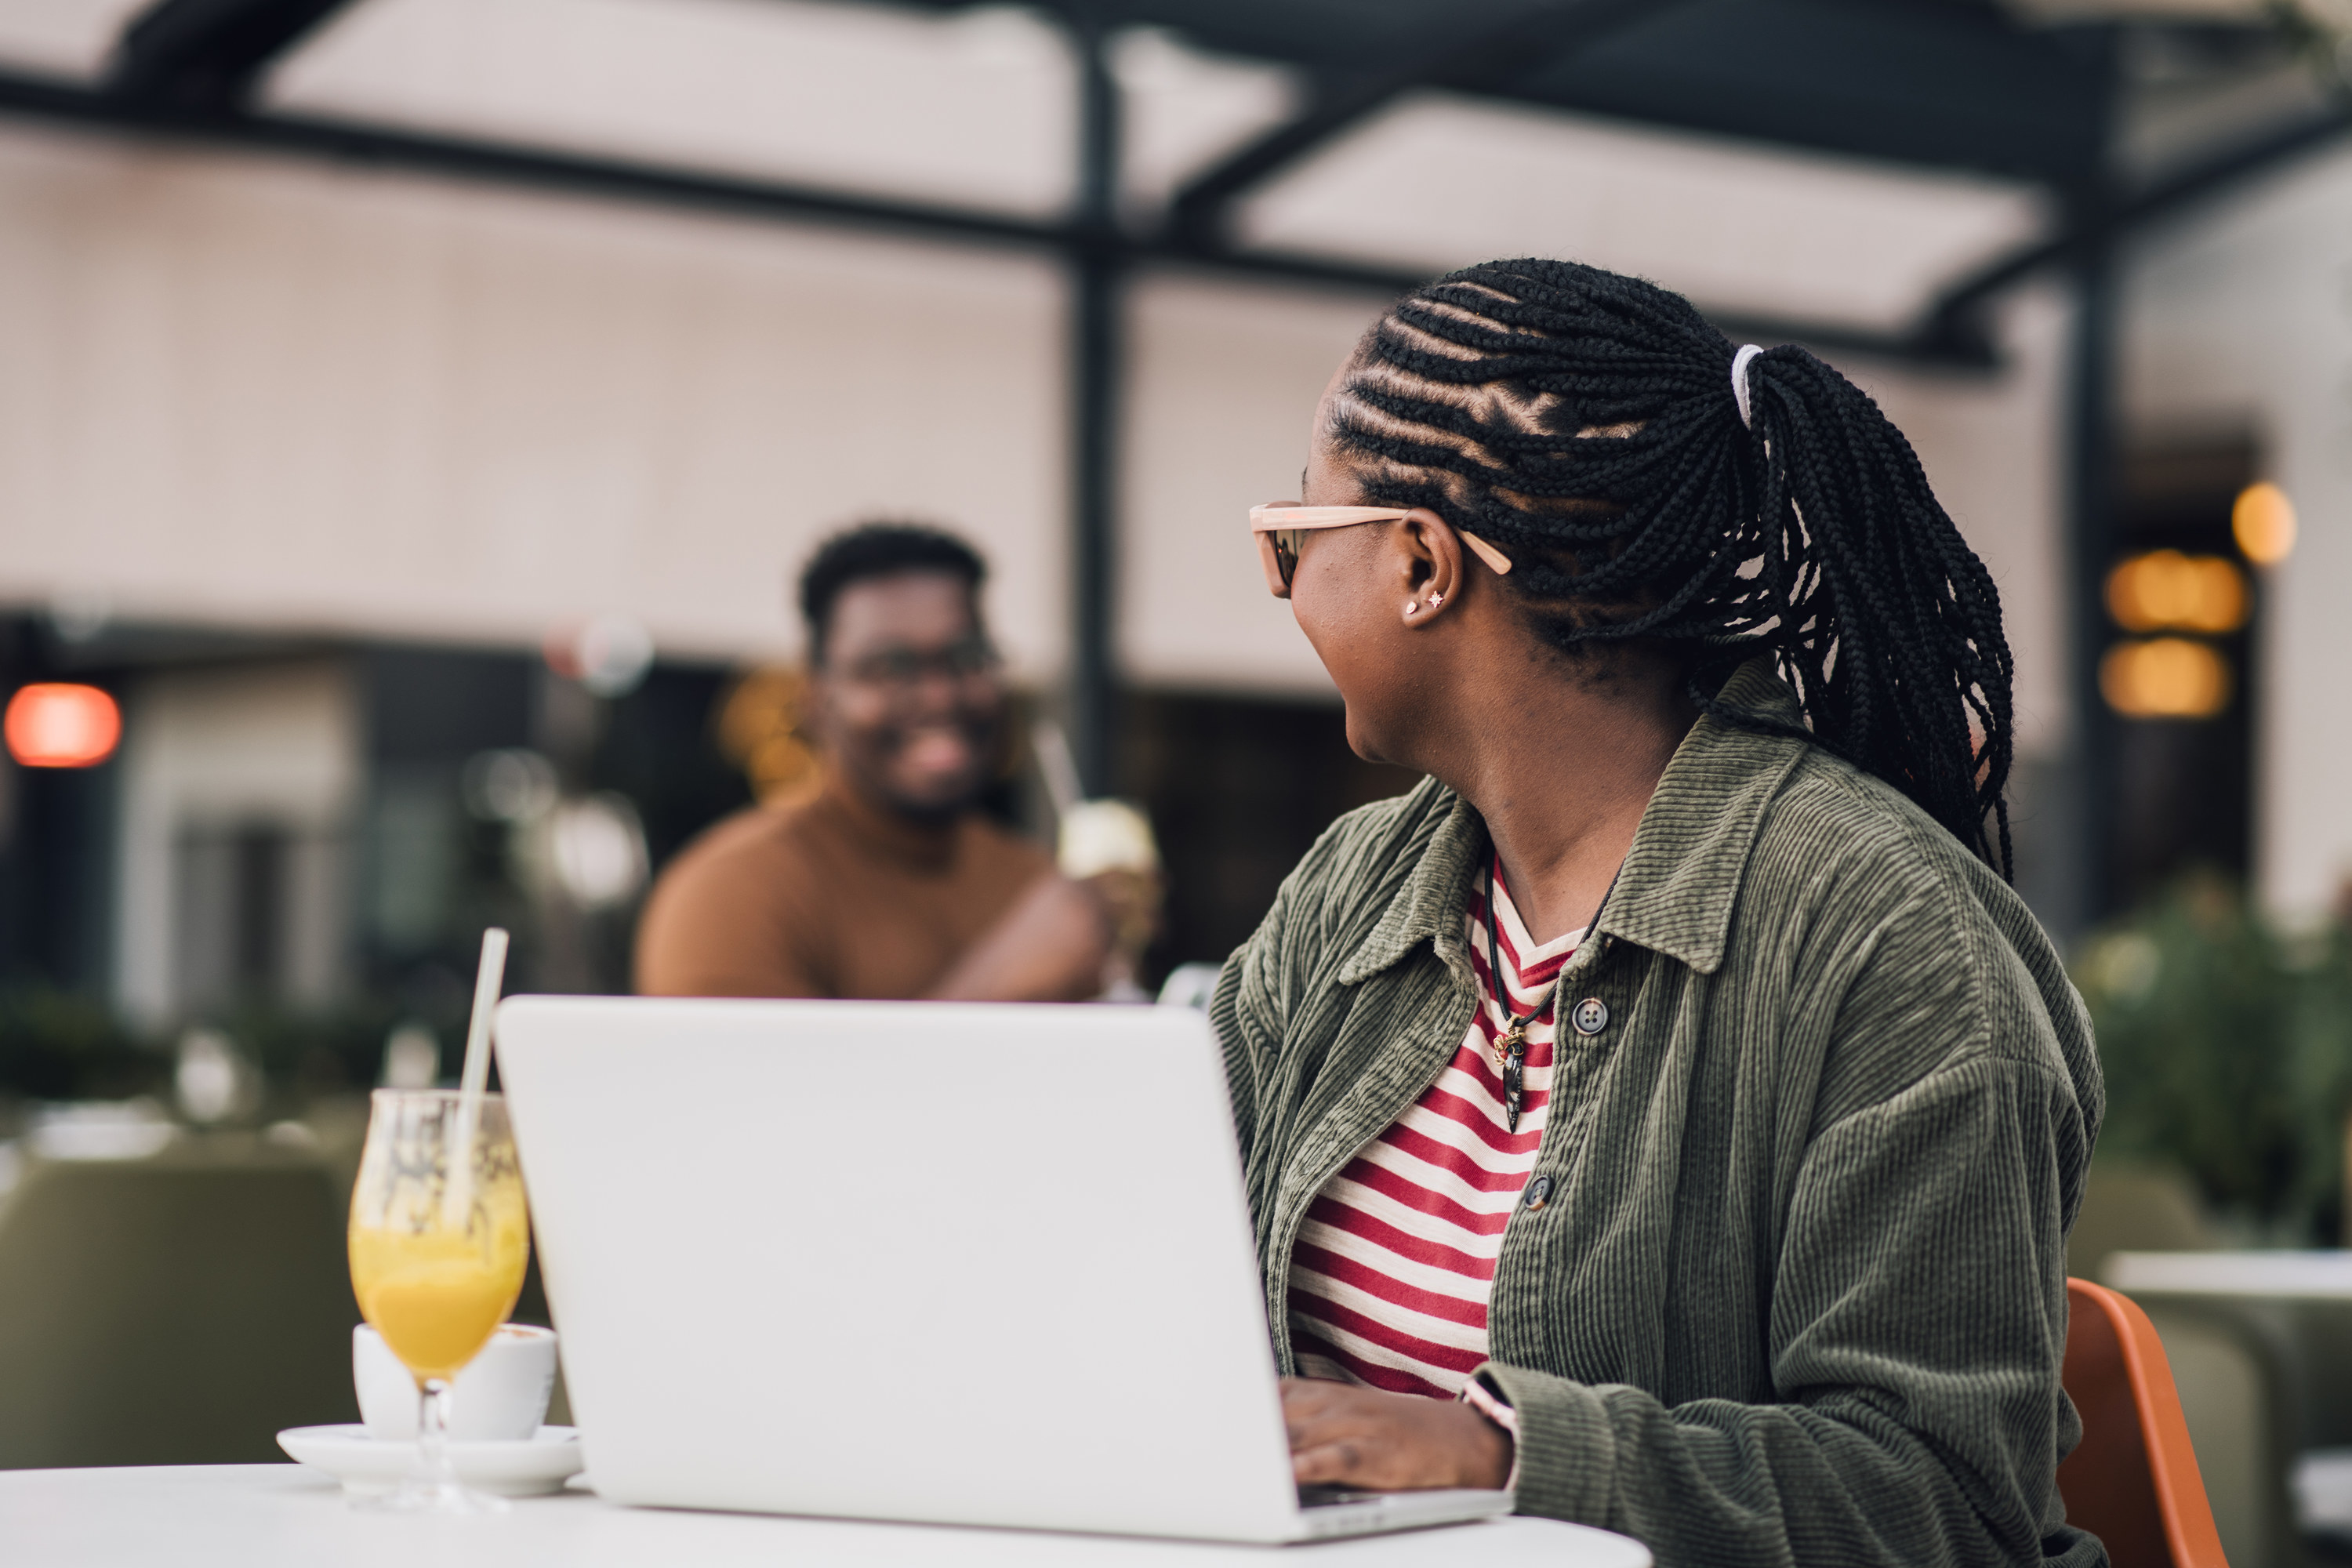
439,1236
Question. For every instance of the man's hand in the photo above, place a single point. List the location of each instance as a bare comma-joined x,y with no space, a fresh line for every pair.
1347,1436
1133,900
1049,947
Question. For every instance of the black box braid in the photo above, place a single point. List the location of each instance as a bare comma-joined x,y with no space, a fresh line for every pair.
1586,423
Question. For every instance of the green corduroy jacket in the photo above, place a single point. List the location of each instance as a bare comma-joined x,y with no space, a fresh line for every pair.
1799,1295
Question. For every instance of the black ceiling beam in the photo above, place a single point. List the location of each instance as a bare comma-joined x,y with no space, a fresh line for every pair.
1197,216
1955,314
348,143
207,55
352,142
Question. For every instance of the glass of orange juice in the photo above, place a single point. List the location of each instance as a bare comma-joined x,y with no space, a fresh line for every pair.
439,1236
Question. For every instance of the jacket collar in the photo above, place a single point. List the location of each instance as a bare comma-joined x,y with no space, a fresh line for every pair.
1428,908
1681,878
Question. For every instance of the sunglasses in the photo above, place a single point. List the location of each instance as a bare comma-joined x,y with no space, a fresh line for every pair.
900,670
1282,526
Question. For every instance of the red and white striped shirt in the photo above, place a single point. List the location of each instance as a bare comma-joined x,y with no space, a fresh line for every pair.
1390,1280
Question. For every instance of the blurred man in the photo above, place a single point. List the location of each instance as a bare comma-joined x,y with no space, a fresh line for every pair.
889,883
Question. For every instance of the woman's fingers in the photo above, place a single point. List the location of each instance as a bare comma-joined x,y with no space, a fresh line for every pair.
1333,1464
1347,1436
1306,1399
1329,1433
1375,1460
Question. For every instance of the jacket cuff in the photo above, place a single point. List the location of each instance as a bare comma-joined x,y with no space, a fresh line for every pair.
1497,1409
1566,1463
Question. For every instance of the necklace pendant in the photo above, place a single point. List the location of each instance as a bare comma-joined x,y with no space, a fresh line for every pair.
1513,1084
1510,1044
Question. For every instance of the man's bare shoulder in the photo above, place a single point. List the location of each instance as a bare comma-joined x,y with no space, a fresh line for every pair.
732,914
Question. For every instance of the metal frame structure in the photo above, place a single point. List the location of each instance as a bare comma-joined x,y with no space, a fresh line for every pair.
188,70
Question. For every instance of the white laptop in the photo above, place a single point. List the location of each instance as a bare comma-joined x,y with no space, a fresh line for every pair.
982,1265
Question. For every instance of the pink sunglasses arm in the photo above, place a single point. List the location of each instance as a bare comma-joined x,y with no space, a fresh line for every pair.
1273,519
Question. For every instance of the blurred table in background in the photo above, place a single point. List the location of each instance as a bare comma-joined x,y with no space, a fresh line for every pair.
2319,1275
281,1516
2261,1346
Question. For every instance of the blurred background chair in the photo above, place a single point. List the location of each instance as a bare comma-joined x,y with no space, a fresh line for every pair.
178,1308
2136,1208
2232,1388
2133,1480
2253,1377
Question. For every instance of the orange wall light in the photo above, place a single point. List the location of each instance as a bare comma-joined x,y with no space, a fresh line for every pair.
2165,589
61,726
2165,677
2262,518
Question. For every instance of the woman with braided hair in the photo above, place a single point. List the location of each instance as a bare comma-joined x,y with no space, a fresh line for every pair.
1667,1110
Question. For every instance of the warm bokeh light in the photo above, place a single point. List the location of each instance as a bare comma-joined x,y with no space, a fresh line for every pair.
760,731
2165,677
2167,591
62,726
2264,520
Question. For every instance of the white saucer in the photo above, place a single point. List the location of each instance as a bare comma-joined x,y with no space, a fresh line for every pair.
533,1466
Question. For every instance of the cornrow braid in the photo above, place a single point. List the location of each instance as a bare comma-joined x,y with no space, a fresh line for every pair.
1586,423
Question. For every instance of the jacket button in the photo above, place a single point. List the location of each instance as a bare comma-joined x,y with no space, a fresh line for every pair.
1538,1192
1592,1016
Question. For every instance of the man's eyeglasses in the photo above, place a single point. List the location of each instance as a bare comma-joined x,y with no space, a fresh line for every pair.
902,669
1281,526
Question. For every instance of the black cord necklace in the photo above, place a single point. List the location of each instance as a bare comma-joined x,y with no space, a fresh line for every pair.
1511,1045
1510,1048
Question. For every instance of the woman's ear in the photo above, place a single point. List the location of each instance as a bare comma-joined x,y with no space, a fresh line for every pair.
1428,565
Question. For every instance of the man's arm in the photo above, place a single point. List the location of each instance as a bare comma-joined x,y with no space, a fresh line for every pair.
1049,947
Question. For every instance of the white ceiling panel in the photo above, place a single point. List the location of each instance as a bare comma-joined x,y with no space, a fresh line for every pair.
1441,182
1186,110
253,392
976,108
70,37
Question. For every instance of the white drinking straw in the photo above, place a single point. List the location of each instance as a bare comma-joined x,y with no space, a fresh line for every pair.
1056,764
457,1197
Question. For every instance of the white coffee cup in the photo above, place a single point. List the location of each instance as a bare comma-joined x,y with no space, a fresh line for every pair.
501,1396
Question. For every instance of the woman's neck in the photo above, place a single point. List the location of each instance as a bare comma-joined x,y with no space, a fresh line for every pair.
1562,795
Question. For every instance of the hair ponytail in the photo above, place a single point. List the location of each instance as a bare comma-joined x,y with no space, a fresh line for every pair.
1892,633
1587,423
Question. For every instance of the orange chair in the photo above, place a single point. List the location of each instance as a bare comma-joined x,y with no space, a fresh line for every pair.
2133,1480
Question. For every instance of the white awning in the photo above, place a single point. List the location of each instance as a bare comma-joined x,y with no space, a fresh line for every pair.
248,389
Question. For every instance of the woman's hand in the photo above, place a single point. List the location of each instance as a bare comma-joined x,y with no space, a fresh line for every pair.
1346,1436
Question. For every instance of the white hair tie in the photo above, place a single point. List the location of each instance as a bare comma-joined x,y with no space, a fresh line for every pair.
1739,363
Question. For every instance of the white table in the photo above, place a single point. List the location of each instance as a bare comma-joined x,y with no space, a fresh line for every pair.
2266,1291
2316,1274
282,1516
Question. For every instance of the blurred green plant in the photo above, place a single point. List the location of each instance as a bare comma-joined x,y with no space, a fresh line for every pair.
2227,1047
57,1045
54,1045
306,1053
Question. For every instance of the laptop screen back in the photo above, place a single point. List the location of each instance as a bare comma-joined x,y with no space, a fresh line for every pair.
970,1264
